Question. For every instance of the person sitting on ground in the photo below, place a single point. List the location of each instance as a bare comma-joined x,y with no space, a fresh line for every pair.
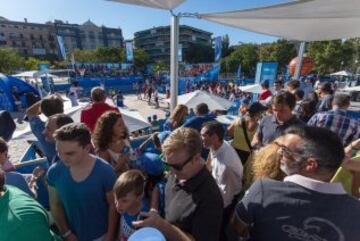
305,204
21,217
110,143
92,113
12,178
248,123
325,93
265,93
177,118
202,116
48,106
129,201
194,205
80,188
225,166
273,126
338,120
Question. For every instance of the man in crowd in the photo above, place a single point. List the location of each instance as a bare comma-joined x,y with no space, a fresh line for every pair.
225,166
325,94
91,114
80,188
48,106
21,217
338,119
202,116
193,203
305,206
273,126
278,86
292,85
265,93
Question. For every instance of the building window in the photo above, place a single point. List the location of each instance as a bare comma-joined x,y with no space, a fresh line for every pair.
24,27
14,43
3,25
15,26
23,44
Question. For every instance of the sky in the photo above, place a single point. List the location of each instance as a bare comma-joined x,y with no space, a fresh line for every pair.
131,18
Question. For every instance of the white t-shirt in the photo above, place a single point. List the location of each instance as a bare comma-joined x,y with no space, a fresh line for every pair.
227,170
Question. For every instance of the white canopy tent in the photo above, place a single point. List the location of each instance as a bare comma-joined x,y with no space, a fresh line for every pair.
134,120
162,4
254,88
305,20
191,100
342,73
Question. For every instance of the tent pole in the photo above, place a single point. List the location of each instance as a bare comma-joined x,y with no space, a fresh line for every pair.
174,61
299,61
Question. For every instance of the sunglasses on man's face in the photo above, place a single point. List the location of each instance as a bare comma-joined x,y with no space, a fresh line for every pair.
285,151
178,167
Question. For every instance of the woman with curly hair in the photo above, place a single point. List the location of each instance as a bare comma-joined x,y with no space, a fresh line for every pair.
177,118
111,143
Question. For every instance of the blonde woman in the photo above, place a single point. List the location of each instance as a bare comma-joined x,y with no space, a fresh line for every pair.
177,118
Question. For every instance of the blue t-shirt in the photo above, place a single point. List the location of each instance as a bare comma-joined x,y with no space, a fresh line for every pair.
84,202
126,227
37,127
196,122
17,180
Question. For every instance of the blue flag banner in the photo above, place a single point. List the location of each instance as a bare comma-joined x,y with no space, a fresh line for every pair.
129,51
266,71
238,73
218,45
60,41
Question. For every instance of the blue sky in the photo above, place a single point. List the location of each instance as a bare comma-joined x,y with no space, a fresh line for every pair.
132,18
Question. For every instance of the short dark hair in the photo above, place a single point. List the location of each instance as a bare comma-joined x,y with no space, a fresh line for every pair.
51,105
62,119
98,94
293,84
299,93
284,97
342,100
214,127
77,132
265,84
326,87
202,109
321,144
3,145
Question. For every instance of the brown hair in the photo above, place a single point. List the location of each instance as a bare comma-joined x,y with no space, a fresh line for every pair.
177,118
52,105
183,138
77,132
103,132
284,98
3,145
98,94
132,181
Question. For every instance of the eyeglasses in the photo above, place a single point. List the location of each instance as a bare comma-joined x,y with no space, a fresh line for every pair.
178,167
285,151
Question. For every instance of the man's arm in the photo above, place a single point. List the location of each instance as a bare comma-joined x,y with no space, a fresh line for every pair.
113,217
34,110
171,232
57,211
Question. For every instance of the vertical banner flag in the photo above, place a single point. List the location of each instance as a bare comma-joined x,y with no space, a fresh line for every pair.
218,48
180,53
60,41
238,74
129,51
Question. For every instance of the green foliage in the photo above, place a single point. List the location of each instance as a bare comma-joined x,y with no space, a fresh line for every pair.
141,58
111,55
226,49
10,60
198,53
33,63
160,66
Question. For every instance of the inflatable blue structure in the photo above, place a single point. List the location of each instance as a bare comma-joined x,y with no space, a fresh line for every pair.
6,84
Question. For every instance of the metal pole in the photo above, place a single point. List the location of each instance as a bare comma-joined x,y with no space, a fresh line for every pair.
174,61
299,60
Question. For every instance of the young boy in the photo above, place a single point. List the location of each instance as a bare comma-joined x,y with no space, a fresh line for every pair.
129,193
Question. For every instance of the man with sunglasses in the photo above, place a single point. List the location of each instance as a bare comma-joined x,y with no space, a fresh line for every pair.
225,166
305,206
193,202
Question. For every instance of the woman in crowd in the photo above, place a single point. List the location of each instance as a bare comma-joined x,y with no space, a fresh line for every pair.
177,118
243,130
111,143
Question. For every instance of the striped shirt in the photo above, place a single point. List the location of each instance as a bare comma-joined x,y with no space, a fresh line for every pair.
338,121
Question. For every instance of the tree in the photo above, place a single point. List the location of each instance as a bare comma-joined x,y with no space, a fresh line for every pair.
141,58
198,53
226,49
33,63
10,60
84,55
109,54
244,54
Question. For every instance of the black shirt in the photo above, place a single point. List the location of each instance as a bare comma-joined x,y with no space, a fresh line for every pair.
195,206
270,128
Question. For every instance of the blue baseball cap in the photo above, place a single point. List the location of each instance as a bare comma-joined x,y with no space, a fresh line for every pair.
151,163
245,100
147,234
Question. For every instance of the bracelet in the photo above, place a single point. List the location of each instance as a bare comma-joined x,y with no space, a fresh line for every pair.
66,234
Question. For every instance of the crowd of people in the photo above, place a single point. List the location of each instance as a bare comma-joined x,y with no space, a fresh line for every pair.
283,170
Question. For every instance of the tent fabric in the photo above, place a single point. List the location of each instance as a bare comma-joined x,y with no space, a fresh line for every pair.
133,120
254,88
342,73
305,20
191,100
8,82
162,4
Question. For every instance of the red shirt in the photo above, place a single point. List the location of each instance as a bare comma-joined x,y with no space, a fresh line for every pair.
265,94
91,114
